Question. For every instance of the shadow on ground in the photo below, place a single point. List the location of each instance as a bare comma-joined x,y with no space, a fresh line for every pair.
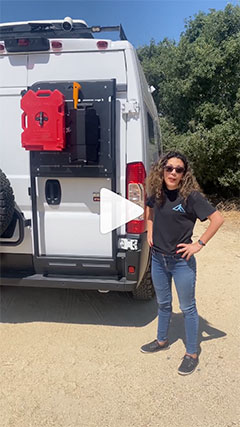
22,305
206,330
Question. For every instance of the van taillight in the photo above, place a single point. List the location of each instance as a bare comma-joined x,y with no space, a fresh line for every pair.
102,44
2,47
56,44
136,175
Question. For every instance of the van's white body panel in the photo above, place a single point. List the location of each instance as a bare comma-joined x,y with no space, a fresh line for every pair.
72,228
77,66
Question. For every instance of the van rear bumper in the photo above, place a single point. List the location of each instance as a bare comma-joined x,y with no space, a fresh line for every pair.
84,283
18,270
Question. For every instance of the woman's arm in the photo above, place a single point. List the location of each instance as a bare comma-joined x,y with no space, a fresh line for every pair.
187,250
149,216
216,220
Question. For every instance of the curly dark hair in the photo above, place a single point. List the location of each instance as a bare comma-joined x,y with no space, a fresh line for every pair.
155,180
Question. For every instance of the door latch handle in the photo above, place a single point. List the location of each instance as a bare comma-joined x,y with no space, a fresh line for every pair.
53,192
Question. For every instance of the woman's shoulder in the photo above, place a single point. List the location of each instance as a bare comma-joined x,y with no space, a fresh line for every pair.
194,198
200,205
195,195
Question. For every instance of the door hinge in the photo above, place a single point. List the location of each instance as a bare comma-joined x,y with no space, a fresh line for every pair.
131,106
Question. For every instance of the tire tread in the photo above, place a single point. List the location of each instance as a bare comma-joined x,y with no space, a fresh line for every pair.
145,291
6,202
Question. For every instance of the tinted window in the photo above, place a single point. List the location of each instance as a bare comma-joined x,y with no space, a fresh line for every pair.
150,129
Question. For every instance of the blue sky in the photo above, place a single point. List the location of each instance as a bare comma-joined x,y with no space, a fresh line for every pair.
142,20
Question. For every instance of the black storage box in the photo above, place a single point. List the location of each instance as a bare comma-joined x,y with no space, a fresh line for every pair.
84,135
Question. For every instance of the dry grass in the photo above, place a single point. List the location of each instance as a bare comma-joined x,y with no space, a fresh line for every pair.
229,205
225,205
229,208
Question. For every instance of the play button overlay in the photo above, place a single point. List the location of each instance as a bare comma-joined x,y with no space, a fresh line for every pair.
115,211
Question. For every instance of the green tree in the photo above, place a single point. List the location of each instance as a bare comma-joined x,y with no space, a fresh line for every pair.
198,95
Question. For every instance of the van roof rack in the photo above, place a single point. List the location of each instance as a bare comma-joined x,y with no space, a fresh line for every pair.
55,29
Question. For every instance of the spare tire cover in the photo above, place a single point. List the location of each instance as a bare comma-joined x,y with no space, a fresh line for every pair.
6,202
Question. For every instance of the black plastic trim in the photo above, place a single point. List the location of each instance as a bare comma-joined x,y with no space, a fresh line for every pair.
140,259
85,283
34,44
59,265
22,223
16,264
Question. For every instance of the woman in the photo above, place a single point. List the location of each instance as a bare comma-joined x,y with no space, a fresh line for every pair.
173,207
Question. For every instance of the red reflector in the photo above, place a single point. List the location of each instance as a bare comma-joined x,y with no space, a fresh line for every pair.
2,47
23,42
56,45
101,44
131,269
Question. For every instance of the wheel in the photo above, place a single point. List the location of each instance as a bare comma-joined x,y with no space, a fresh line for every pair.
145,291
6,202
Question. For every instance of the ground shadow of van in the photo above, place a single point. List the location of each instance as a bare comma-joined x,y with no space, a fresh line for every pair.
20,305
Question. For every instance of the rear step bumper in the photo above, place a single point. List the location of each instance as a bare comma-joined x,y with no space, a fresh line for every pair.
84,283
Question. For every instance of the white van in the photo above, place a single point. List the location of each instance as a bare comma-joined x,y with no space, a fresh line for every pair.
77,116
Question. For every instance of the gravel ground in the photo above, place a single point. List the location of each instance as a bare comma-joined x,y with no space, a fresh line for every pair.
71,358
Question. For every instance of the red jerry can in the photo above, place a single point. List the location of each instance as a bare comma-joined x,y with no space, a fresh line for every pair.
43,121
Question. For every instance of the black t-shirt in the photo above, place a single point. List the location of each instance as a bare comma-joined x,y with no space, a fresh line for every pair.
174,220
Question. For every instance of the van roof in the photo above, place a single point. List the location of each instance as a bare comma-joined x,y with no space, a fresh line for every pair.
54,29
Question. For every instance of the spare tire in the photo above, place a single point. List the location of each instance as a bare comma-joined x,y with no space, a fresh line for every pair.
6,202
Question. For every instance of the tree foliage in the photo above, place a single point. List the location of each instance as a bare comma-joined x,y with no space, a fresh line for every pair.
197,85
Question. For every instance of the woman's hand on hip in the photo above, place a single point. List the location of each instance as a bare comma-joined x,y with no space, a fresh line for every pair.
188,250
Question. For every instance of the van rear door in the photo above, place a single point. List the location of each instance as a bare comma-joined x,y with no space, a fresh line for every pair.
65,185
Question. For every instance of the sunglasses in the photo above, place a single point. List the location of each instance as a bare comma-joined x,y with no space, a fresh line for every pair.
178,169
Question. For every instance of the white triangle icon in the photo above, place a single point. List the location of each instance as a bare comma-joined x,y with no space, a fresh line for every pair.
115,210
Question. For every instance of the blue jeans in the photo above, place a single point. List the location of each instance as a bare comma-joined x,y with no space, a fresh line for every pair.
164,268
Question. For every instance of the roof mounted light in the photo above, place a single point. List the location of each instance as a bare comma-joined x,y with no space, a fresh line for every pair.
96,29
102,44
67,24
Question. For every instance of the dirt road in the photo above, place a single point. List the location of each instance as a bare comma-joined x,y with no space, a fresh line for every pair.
71,358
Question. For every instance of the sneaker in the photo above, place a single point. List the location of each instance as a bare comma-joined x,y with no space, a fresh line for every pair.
154,346
188,365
